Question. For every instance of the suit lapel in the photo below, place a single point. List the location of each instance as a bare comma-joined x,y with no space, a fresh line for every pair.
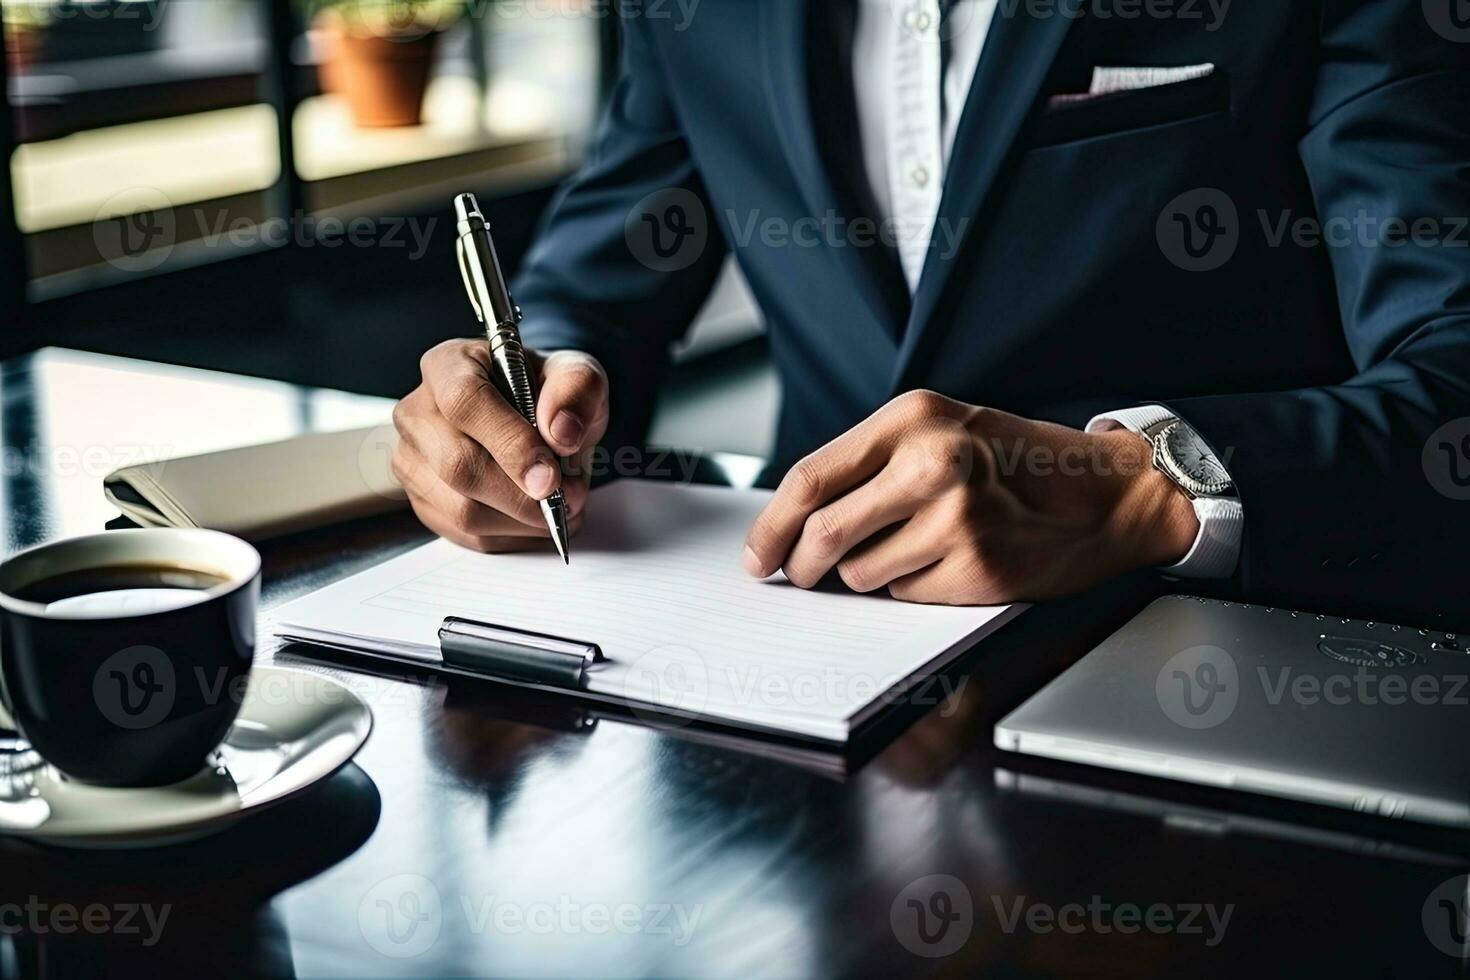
1019,51
786,25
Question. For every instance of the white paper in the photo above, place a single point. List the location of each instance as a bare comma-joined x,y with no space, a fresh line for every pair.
655,580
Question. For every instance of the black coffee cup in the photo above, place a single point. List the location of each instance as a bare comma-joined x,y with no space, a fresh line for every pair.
124,655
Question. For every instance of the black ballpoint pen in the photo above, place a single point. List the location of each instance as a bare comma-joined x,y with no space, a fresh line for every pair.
490,297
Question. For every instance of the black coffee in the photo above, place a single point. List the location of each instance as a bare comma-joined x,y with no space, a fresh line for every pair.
121,590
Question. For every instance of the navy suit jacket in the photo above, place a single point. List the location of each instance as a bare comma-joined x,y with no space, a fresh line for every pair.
1144,247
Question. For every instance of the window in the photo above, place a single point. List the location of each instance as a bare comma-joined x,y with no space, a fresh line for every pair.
150,135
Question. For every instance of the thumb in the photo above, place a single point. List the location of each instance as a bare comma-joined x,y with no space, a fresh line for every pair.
572,411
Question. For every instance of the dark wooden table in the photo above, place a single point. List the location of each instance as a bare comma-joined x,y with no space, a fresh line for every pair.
485,833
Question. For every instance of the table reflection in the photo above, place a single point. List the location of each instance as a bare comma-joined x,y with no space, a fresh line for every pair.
143,912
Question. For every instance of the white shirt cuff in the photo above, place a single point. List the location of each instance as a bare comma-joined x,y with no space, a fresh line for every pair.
1216,549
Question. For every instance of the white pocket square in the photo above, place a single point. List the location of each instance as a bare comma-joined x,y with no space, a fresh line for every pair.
1106,81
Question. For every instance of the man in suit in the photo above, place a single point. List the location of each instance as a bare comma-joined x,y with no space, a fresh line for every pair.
1056,290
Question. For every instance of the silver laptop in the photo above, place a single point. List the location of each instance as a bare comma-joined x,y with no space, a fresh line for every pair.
1367,716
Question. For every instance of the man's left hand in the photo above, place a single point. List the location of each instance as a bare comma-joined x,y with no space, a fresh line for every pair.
943,502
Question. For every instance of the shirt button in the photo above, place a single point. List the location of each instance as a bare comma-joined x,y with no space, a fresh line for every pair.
920,176
918,20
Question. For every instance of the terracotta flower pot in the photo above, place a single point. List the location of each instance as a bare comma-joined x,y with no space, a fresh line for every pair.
22,44
382,78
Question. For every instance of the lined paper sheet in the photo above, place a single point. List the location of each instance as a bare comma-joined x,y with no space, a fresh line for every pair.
655,581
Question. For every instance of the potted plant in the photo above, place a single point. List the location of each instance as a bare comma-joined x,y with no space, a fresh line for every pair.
377,54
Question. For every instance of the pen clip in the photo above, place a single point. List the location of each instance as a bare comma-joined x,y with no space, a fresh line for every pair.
469,282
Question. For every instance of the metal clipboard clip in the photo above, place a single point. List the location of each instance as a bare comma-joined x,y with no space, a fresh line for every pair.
504,653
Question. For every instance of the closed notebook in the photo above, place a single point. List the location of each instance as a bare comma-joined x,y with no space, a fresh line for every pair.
259,492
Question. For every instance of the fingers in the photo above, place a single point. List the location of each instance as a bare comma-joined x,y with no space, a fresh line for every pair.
445,527
833,470
831,532
906,551
469,516
949,583
457,375
825,474
432,450
572,409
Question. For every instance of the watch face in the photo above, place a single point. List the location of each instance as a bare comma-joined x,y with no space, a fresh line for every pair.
1194,460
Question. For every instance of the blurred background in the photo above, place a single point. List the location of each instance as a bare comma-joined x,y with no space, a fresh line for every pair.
263,186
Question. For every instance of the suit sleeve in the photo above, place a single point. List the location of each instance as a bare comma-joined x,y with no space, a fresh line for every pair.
627,254
1360,491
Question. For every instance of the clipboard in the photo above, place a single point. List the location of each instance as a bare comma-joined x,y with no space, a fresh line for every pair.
503,653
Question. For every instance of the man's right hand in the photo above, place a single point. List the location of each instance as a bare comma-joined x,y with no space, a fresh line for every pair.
473,468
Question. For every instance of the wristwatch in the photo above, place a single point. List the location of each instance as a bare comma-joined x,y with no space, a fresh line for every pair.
1187,460
1184,457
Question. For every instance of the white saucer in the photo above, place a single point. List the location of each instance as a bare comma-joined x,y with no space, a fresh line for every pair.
294,729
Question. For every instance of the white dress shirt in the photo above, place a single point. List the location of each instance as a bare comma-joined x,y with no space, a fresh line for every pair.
909,102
